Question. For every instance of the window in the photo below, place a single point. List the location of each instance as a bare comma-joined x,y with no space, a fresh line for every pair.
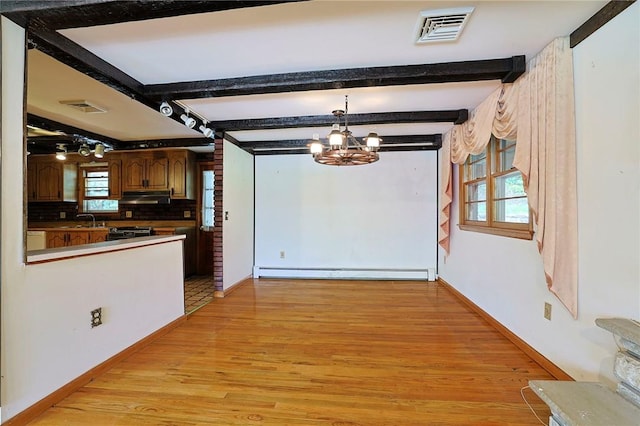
94,192
492,193
207,200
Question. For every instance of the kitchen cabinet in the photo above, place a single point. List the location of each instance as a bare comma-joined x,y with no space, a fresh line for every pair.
146,172
49,179
98,236
74,237
115,179
182,174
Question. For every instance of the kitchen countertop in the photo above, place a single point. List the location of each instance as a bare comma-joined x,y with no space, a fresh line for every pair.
114,223
54,254
70,228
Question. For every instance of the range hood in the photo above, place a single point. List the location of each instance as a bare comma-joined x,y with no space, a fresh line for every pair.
145,197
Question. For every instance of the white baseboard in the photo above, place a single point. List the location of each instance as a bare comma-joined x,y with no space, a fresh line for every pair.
344,273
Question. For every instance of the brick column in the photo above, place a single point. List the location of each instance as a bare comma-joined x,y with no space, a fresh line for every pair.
218,214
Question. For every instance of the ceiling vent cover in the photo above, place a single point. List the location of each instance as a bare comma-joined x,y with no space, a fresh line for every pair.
442,25
84,106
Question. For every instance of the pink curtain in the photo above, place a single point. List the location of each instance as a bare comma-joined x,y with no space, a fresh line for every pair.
537,111
546,157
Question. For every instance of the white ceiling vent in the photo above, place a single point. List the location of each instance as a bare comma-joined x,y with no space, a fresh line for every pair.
84,106
442,25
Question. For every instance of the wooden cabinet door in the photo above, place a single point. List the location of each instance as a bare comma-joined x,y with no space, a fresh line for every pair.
157,174
49,181
56,239
98,236
78,237
32,180
182,175
177,174
134,174
115,179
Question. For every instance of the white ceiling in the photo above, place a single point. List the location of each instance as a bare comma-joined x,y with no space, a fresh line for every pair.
303,36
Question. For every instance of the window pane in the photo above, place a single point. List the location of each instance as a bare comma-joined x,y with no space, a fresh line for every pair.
509,185
100,206
513,210
96,183
207,198
506,159
477,211
477,191
504,144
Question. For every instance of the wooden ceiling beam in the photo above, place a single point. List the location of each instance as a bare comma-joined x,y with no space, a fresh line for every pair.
62,14
457,116
506,69
426,140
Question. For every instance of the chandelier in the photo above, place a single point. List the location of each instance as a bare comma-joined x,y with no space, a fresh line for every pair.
344,149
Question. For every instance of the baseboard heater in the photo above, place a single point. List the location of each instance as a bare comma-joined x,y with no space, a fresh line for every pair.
345,273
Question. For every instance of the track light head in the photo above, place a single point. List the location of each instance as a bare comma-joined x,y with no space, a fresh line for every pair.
166,109
99,151
84,150
61,151
207,132
190,122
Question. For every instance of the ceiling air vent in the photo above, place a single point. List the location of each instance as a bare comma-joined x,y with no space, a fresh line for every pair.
84,106
442,25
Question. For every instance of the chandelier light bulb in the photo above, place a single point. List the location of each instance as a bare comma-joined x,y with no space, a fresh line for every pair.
373,141
316,146
336,137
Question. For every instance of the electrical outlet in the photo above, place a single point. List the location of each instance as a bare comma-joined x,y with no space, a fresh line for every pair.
63,215
282,255
187,213
547,310
96,317
128,213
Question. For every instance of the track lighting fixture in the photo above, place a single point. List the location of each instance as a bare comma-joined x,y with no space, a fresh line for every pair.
61,151
84,150
190,122
99,151
207,132
166,109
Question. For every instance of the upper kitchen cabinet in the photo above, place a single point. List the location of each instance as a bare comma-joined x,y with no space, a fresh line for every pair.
49,179
115,178
145,172
182,174
161,170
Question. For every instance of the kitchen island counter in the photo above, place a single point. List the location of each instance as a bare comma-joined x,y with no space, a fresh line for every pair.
55,254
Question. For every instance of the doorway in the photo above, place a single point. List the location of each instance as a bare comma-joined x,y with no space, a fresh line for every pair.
199,289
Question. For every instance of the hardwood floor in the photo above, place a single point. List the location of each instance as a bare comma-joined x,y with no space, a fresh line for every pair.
339,353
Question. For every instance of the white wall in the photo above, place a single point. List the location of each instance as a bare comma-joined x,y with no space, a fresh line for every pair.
237,232
505,277
46,335
378,216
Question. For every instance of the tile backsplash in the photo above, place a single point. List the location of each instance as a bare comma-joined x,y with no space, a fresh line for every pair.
50,211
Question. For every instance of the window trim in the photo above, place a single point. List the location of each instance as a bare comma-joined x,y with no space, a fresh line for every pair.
505,229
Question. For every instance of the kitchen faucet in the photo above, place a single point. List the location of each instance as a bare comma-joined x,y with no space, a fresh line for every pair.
93,218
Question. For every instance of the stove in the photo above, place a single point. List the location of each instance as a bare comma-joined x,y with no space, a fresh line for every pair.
124,232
